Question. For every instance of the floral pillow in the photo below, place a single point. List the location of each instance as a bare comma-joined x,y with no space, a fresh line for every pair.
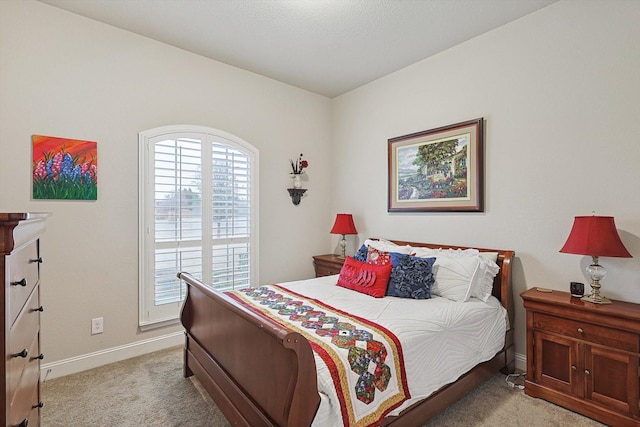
366,278
411,277
378,257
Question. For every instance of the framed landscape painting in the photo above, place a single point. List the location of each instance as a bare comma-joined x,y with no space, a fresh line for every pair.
64,168
438,170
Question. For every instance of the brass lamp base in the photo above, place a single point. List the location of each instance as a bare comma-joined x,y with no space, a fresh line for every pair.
596,299
596,272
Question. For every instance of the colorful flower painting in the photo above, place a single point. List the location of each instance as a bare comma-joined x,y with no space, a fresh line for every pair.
64,168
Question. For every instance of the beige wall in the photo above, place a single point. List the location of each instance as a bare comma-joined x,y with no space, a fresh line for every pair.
560,93
64,75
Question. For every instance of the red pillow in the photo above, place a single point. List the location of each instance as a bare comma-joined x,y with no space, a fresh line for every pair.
366,278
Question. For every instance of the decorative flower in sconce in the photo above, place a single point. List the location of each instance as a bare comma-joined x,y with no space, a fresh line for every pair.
299,165
297,168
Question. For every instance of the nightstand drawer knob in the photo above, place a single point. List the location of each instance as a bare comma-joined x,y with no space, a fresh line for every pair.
581,330
586,371
573,367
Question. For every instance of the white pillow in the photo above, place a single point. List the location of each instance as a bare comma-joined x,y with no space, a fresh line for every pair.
482,285
429,252
461,274
387,246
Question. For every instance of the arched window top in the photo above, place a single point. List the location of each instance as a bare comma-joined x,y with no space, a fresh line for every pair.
230,139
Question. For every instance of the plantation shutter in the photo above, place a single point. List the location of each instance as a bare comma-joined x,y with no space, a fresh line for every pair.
178,215
231,219
202,221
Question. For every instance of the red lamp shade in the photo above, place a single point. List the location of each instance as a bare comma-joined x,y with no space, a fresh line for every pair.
595,236
344,225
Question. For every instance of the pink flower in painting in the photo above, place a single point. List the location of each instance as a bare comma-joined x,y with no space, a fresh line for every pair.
40,171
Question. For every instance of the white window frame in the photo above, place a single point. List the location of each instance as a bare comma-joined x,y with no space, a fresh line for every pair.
151,315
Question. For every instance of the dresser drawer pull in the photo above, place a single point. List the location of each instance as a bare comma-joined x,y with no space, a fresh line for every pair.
22,283
581,330
23,353
38,260
40,356
573,367
586,371
40,309
23,423
39,405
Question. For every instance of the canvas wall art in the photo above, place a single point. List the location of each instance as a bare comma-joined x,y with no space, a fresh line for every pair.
437,170
64,168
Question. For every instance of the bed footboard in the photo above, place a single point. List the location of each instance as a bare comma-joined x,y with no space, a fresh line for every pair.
256,371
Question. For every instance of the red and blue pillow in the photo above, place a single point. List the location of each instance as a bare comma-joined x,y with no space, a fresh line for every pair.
411,277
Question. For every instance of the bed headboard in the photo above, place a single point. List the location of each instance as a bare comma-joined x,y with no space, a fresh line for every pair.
502,281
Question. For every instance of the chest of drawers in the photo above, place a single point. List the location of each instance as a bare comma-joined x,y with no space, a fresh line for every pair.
20,261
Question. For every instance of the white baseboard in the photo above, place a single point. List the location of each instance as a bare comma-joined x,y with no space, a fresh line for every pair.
110,355
521,362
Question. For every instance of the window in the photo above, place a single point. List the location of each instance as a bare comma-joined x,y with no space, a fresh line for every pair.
198,213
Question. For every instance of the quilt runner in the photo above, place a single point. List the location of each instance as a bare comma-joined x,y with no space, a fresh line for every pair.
365,359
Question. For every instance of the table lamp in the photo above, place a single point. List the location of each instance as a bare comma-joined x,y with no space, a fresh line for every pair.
344,225
595,236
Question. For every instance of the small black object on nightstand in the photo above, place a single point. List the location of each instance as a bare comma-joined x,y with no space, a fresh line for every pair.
577,289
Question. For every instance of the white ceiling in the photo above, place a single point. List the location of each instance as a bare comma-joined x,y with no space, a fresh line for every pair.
325,46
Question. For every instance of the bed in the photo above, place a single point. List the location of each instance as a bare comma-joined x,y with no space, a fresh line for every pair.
262,373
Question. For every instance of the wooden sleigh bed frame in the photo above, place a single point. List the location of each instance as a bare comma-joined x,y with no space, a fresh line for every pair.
261,374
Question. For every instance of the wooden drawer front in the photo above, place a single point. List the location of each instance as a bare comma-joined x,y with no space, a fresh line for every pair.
23,336
327,269
24,404
587,331
22,269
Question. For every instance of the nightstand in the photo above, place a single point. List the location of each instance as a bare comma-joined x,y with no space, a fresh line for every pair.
327,265
583,356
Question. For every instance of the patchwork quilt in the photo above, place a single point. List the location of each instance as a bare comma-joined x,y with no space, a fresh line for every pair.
364,358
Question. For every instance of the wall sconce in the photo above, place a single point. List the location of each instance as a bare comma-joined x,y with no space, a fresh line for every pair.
296,194
595,236
344,225
297,169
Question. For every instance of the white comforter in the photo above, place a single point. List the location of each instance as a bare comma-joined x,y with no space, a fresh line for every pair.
441,339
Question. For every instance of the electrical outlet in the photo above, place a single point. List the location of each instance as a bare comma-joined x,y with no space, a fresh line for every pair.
97,325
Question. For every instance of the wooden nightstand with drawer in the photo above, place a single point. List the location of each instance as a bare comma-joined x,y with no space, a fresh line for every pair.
327,265
584,356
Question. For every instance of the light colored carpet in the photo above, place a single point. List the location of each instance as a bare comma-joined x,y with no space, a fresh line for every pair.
148,390
151,391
